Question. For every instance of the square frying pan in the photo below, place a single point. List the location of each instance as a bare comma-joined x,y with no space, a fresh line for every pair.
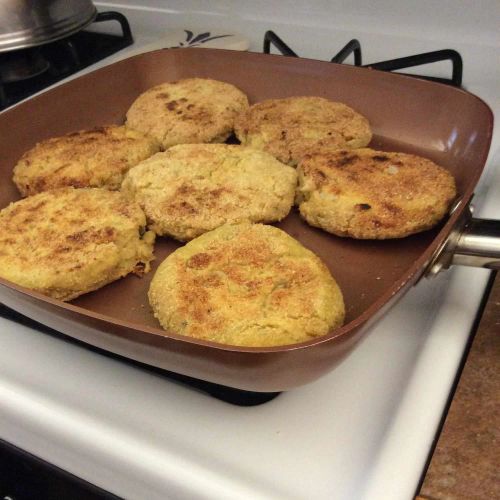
448,125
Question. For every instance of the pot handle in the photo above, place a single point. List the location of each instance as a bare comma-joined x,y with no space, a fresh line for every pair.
474,242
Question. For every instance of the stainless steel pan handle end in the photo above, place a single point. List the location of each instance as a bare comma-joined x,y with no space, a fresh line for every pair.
473,242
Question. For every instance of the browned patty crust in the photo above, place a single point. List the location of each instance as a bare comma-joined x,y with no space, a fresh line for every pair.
293,127
247,285
193,188
67,241
189,111
89,158
370,194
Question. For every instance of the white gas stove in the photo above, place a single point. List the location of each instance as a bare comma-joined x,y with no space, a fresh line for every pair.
362,432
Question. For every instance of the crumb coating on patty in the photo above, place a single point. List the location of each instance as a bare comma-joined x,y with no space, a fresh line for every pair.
246,285
194,188
189,111
89,158
370,194
293,127
67,242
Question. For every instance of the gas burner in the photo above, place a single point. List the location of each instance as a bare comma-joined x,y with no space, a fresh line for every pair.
22,64
27,71
354,47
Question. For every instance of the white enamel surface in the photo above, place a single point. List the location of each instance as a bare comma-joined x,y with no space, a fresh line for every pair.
362,432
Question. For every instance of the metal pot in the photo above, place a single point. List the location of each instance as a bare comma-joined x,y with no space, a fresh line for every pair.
27,23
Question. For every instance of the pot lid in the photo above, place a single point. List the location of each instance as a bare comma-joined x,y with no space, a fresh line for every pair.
29,23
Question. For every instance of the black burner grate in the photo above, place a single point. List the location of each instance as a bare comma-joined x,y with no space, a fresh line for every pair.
354,47
64,57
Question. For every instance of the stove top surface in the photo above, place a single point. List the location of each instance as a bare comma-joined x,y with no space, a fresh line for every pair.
137,434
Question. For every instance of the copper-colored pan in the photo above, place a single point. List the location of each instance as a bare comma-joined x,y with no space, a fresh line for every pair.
448,125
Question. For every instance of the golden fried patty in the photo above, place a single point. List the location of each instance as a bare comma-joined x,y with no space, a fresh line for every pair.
291,128
89,158
188,111
371,194
67,242
193,188
246,285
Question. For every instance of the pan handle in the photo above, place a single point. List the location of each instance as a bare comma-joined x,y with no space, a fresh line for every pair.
479,244
474,242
